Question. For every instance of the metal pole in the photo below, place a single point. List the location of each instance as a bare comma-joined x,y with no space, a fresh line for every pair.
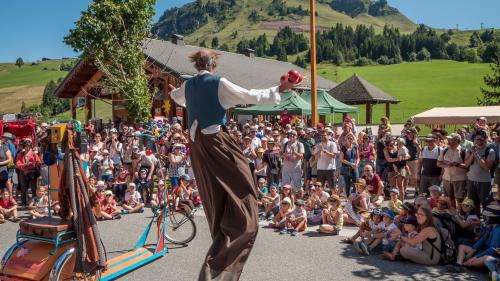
312,30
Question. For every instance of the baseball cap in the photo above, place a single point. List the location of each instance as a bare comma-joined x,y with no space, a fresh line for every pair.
430,137
454,136
410,220
395,190
389,213
435,188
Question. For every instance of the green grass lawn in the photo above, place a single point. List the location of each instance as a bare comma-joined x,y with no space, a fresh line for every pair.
32,75
419,85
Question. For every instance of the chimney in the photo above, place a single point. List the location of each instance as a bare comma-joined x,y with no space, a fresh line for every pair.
177,39
249,53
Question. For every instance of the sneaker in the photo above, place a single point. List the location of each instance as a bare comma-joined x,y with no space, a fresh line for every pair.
457,268
141,211
294,233
284,231
357,247
117,217
124,212
364,248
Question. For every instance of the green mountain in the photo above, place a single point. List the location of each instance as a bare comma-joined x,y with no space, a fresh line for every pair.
233,20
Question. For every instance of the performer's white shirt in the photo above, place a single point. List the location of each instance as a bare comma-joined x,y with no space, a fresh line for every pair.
230,95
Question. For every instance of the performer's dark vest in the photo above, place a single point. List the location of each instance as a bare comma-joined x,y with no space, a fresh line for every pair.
202,101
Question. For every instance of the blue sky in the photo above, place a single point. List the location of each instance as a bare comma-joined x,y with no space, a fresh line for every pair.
33,29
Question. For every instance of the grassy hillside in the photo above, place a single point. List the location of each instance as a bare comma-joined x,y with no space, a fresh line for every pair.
25,83
418,85
462,37
246,29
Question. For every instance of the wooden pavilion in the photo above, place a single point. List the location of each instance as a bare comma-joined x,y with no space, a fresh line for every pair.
167,63
357,90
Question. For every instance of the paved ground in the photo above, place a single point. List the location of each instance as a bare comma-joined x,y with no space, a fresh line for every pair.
275,257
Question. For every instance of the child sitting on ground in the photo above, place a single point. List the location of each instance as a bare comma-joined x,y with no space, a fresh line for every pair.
395,204
262,188
108,208
368,228
436,192
39,205
280,218
271,203
8,207
132,202
386,238
332,218
410,225
296,221
157,200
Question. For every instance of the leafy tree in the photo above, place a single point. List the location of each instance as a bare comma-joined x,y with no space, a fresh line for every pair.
471,55
300,61
363,61
111,33
413,56
337,57
224,47
254,16
453,51
491,52
19,62
51,104
215,42
424,55
445,37
491,93
282,55
384,60
488,35
475,40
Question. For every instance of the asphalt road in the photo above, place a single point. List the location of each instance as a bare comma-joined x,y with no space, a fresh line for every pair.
274,257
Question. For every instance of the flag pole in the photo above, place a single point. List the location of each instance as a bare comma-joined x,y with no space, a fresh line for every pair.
312,31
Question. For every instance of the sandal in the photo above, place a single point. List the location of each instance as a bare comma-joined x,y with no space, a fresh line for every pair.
347,241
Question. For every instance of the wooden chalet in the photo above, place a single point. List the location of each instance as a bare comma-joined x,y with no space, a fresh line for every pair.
167,63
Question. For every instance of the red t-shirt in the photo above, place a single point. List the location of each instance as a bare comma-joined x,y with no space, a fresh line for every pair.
374,183
7,203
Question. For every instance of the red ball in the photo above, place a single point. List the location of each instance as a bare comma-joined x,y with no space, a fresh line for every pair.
294,76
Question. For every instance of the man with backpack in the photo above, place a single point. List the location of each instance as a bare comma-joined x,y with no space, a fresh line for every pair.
429,171
480,161
451,160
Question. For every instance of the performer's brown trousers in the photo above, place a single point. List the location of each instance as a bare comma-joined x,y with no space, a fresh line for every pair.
229,199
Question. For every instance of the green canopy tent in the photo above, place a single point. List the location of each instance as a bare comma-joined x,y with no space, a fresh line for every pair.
328,104
291,101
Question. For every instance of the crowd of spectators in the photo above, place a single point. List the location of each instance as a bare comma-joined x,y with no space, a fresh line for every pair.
428,199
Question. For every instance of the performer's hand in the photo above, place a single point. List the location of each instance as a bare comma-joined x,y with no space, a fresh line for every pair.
285,85
171,88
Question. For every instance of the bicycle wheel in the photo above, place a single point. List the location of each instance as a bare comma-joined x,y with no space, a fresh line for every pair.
181,229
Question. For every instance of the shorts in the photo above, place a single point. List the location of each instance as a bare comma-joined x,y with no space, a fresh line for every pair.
456,188
480,192
413,167
292,177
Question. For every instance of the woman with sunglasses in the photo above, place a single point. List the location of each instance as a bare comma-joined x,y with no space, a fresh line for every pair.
428,236
332,216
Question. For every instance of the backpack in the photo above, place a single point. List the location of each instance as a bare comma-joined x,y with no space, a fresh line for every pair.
447,229
492,147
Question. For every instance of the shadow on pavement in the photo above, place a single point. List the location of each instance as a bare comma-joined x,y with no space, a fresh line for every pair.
385,269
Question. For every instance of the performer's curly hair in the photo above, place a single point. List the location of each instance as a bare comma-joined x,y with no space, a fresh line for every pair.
204,59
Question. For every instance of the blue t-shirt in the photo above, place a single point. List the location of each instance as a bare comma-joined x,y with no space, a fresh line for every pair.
489,241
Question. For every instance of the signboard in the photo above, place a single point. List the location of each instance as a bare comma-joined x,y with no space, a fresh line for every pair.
9,117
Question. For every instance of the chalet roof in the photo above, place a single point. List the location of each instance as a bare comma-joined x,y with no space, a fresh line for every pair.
357,90
76,79
248,72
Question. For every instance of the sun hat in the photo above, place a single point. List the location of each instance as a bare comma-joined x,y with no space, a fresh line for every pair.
435,188
430,137
468,202
287,200
108,192
394,190
389,213
300,202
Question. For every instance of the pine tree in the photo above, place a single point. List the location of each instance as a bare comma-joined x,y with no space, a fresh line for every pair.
491,93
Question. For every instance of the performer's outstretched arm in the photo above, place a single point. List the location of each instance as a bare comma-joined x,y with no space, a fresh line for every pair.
231,95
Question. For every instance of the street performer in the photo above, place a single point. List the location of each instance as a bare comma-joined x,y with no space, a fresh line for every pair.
225,182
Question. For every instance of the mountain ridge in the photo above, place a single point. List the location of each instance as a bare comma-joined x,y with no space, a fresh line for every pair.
234,20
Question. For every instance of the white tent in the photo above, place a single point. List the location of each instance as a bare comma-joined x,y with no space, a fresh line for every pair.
457,115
